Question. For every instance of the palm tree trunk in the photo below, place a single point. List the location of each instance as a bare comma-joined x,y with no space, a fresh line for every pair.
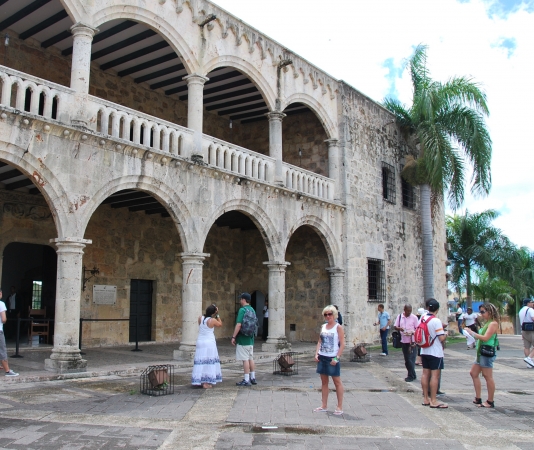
428,244
468,286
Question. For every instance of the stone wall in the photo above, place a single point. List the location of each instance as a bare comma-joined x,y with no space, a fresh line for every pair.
307,285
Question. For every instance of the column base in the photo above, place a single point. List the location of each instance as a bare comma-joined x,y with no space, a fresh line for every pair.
63,366
274,345
185,352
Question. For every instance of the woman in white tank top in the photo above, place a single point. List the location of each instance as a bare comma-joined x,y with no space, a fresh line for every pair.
329,350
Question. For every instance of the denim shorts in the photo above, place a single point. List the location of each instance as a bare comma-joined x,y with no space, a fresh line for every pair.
486,361
325,368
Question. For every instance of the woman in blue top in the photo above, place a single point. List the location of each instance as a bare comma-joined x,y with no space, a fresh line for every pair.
487,336
329,350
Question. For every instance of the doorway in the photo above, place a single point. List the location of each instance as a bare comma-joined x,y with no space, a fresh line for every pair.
141,310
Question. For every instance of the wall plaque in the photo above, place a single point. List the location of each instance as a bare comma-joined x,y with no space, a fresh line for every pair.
104,295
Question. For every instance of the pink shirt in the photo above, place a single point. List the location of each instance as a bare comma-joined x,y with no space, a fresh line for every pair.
409,324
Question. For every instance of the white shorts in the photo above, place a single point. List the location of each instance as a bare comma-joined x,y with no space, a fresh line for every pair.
244,352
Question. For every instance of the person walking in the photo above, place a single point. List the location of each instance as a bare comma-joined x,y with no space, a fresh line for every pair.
486,354
243,339
207,366
432,356
383,320
459,319
406,323
526,318
3,347
265,328
470,319
328,356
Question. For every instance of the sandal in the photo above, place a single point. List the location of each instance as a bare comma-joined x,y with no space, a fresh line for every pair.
320,409
477,401
490,404
338,412
440,406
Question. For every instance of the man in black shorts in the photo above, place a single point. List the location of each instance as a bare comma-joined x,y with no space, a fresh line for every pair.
432,357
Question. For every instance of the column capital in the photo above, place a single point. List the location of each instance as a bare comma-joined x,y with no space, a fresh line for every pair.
71,241
195,78
193,257
83,29
332,142
277,265
276,116
336,271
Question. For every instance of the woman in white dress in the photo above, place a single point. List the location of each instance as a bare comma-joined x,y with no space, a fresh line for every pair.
207,366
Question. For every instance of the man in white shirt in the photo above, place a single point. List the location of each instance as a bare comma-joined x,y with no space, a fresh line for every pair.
526,317
459,319
432,356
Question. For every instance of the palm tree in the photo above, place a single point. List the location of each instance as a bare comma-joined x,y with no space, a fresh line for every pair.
475,243
446,125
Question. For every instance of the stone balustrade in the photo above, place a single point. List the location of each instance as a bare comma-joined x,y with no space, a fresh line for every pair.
24,92
238,160
308,182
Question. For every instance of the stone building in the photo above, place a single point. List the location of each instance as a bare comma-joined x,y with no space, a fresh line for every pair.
158,156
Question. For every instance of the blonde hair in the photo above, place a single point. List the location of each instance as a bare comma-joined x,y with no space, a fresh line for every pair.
493,312
332,309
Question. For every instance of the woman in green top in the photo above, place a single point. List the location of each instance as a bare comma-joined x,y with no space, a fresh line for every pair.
486,336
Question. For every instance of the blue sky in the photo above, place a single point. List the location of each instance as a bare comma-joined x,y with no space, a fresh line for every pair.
365,43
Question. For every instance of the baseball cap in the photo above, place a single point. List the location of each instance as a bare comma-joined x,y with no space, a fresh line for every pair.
246,296
526,301
432,305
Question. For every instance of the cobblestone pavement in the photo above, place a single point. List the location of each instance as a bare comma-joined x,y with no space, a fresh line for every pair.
381,410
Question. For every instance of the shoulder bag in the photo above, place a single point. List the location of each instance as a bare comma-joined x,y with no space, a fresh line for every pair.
527,326
396,337
489,350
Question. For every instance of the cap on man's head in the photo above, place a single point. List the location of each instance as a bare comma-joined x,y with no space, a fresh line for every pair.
432,305
246,296
526,301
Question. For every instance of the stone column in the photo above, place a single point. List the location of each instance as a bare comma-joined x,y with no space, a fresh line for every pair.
65,357
275,143
334,163
81,57
337,277
277,339
191,302
195,109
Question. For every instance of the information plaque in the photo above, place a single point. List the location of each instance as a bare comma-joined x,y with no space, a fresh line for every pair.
104,295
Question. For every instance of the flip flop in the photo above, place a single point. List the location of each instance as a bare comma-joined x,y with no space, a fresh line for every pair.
440,406
425,404
418,364
320,409
337,413
490,404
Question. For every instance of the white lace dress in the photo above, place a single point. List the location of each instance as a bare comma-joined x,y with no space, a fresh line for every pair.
207,366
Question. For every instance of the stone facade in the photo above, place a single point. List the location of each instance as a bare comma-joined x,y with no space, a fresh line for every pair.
308,187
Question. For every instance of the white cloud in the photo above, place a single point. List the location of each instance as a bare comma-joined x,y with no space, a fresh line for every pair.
351,40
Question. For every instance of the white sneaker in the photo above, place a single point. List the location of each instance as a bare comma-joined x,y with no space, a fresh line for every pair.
529,361
15,374
383,354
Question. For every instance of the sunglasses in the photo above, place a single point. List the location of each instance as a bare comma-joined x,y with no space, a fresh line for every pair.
328,314
482,311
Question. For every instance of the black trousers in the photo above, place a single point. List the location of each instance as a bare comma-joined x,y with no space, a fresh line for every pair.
409,353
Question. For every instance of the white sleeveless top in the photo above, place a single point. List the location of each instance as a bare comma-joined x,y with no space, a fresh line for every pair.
329,341
205,333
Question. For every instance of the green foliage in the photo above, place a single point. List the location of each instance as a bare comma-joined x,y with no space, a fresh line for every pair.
446,123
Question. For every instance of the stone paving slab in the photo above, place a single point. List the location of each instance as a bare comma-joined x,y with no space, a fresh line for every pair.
29,435
313,442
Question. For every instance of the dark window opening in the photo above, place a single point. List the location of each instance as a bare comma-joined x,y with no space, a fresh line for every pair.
408,194
54,107
28,100
376,280
388,182
41,103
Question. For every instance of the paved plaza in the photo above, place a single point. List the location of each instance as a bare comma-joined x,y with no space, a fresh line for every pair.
381,411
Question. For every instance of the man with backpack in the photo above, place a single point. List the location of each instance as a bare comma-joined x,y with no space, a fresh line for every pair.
243,338
430,336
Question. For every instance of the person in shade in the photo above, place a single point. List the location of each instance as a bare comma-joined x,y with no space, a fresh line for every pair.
406,323
484,364
328,355
207,366
3,348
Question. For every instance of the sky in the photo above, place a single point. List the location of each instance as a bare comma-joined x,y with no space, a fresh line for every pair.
365,43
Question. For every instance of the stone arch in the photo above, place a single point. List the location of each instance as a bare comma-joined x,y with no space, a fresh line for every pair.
260,219
44,179
324,232
74,9
163,193
247,69
318,109
158,24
